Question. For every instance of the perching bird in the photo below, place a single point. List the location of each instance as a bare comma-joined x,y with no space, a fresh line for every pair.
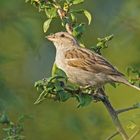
83,66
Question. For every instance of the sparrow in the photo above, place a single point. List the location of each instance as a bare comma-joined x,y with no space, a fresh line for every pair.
83,66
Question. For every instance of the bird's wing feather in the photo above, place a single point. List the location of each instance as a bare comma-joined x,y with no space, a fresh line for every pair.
89,61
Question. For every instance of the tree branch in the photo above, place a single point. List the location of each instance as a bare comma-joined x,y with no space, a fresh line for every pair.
126,109
134,135
62,15
97,95
101,95
113,135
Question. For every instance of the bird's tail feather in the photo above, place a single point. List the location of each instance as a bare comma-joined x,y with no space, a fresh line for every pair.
123,80
127,83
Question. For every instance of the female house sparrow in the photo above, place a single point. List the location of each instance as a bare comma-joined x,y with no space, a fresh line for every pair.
83,66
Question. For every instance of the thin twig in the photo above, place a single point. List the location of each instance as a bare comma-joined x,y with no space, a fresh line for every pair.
40,99
62,15
126,109
134,135
113,135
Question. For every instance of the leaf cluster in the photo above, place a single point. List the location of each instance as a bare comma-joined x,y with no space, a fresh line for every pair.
12,131
102,43
59,89
62,9
134,76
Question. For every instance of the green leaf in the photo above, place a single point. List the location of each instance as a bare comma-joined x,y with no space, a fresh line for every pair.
56,77
83,99
88,15
27,0
46,25
131,125
57,71
73,17
137,105
63,96
77,1
35,2
51,12
82,45
113,85
78,30
66,7
54,69
4,119
102,43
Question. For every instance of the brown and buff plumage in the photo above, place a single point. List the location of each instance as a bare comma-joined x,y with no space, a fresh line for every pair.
83,66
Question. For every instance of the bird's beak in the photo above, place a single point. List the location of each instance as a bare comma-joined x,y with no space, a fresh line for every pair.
51,37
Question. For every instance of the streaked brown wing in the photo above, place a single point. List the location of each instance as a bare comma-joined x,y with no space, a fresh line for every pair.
89,61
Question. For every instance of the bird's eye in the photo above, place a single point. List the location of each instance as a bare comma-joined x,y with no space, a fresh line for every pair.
62,35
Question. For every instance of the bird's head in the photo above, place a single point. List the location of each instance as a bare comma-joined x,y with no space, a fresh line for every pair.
63,39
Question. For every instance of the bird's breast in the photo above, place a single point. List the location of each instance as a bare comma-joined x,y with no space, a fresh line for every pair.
60,60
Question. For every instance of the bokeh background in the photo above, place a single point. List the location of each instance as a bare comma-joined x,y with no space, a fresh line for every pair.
26,56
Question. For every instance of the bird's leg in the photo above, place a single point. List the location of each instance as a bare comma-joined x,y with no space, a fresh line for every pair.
87,89
97,92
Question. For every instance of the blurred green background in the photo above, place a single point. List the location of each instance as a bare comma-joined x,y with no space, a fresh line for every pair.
26,56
